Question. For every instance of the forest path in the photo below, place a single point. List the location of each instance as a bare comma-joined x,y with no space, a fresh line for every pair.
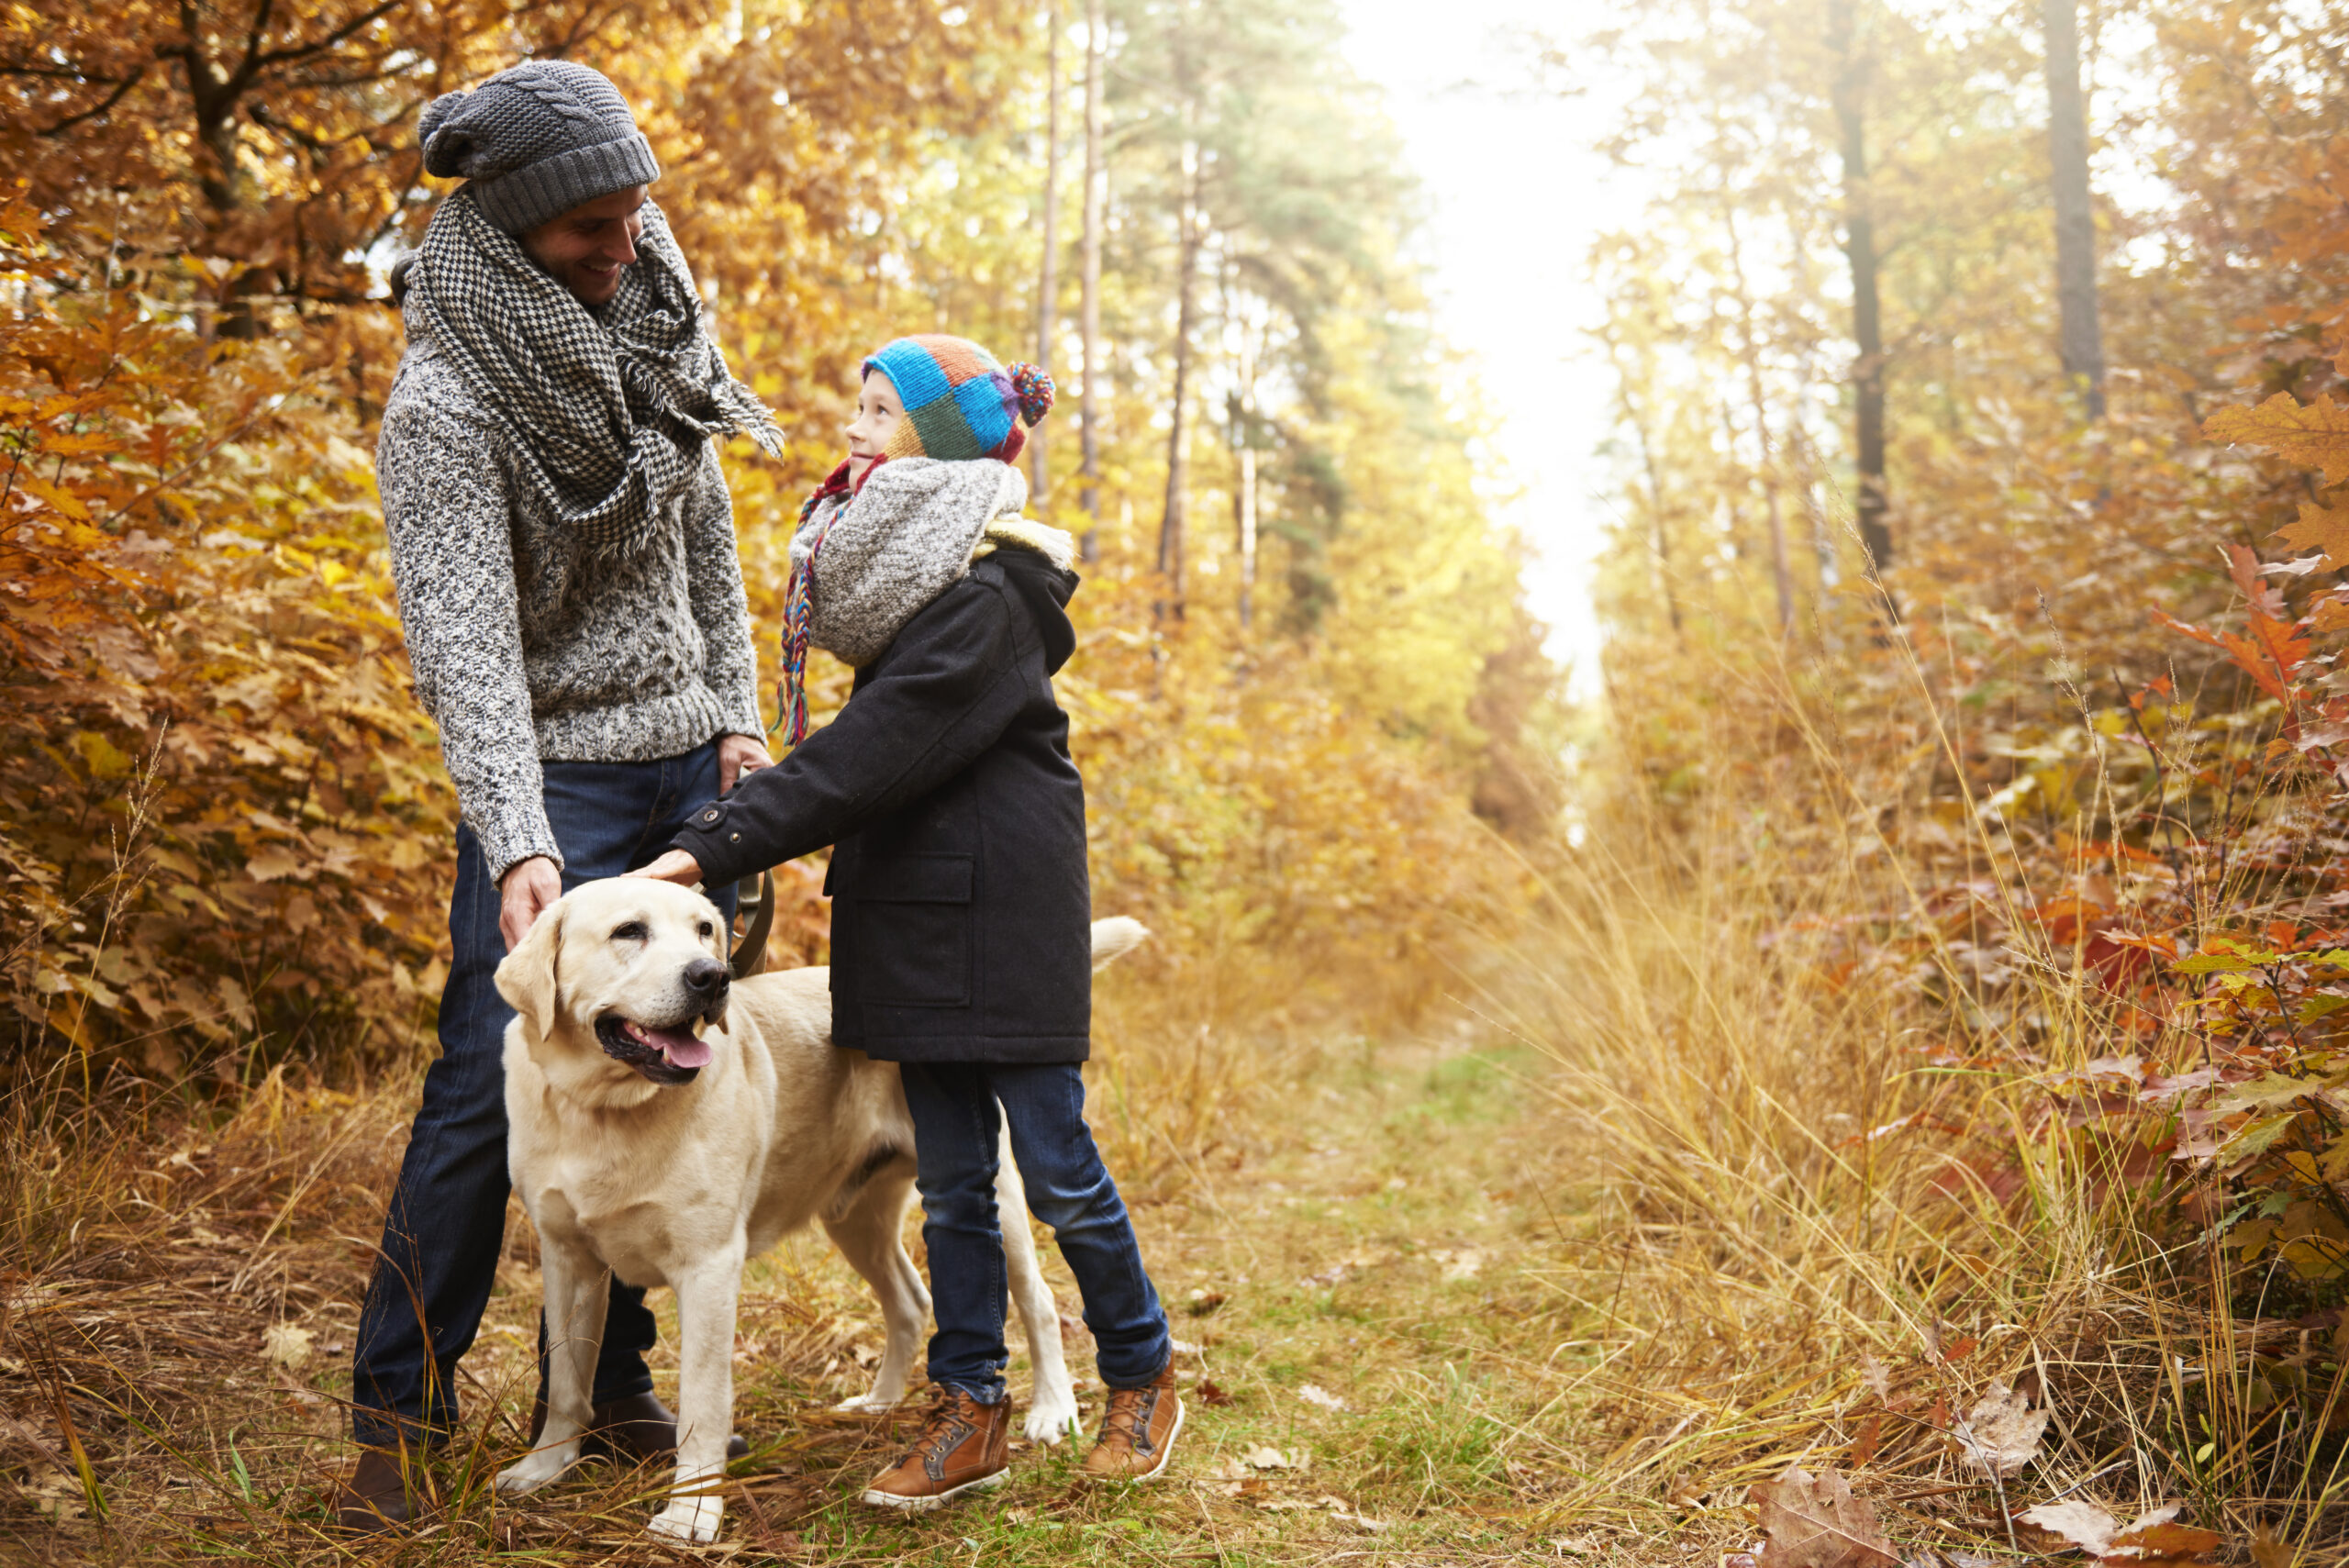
1356,1282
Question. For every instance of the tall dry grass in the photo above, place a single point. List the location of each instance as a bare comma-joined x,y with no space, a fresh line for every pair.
1824,1175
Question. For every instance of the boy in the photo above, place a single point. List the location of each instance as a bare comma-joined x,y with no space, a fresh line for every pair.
960,904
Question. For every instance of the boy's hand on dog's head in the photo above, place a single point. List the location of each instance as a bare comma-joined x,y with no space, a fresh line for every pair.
674,865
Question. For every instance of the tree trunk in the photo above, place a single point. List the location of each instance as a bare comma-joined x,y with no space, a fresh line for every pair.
1243,500
1860,251
1096,198
1171,520
1781,577
1047,286
1662,538
2067,148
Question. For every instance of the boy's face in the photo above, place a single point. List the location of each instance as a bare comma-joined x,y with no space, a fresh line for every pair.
586,248
877,413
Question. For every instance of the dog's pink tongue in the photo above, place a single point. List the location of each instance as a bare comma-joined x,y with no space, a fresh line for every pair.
682,1049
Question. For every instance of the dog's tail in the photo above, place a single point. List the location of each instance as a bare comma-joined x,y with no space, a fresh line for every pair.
1116,937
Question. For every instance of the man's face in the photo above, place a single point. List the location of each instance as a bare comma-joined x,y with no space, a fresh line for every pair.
586,247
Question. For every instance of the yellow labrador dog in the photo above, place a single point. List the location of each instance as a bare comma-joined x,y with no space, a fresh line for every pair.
668,1125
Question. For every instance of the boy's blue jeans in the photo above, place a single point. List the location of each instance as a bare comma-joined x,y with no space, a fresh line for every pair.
954,1105
446,1218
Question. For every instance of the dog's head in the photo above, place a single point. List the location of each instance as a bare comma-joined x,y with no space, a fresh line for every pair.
619,977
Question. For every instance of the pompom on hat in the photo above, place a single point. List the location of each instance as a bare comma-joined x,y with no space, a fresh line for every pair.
960,403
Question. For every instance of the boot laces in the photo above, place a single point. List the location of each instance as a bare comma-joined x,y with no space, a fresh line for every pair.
1123,1422
943,1425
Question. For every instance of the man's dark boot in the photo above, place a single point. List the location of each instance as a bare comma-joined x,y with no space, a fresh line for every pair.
380,1495
638,1429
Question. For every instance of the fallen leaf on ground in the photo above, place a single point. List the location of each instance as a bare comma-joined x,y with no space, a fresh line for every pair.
1877,1375
1459,1263
2001,1433
1212,1393
2150,1541
1205,1301
2083,1524
1263,1458
1815,1522
57,1495
2270,1550
1228,1470
286,1345
2094,1530
1314,1394
1571,1546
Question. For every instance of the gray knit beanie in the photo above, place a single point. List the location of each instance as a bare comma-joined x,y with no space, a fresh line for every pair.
536,141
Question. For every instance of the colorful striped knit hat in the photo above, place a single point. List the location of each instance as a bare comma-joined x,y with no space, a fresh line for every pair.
960,403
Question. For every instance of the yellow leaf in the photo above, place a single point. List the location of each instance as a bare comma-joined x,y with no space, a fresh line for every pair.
2321,528
2314,435
63,500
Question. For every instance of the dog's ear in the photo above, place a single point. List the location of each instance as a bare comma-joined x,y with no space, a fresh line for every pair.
722,948
526,977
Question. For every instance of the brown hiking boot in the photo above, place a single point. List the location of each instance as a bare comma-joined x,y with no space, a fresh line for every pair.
964,1446
380,1495
1138,1432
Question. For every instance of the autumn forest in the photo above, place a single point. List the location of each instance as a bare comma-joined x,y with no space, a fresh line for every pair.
1845,1078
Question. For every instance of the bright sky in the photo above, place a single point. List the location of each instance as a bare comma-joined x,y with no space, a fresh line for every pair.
1517,197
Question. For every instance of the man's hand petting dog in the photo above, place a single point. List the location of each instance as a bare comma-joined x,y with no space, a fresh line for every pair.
523,895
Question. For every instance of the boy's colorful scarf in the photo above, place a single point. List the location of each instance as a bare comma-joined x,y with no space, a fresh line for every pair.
888,548
791,716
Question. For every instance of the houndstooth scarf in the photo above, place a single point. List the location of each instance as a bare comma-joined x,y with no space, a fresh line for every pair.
610,406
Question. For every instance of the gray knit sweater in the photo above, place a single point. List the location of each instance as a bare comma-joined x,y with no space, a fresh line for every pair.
524,650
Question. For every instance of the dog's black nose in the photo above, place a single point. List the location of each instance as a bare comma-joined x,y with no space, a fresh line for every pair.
705,976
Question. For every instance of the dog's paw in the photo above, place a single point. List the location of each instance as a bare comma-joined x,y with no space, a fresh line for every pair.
690,1518
536,1470
867,1403
1051,1417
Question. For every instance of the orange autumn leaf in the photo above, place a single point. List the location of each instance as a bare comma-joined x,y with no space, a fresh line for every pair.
2321,528
2314,435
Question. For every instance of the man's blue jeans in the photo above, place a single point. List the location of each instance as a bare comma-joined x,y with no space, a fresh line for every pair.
446,1218
954,1105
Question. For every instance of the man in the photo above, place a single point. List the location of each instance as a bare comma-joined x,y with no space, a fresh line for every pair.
563,546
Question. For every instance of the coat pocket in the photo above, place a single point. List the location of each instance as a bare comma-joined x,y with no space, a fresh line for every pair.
914,916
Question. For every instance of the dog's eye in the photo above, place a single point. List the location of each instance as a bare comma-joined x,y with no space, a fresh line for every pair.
632,932
707,929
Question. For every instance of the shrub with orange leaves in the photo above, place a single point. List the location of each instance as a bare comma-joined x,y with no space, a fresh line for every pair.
220,813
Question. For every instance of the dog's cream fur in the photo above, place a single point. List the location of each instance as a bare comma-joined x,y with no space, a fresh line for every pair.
681,1184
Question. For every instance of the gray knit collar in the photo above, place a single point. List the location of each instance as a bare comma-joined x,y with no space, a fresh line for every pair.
904,537
607,408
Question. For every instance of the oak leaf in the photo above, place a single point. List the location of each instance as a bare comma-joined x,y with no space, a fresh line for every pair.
1815,1522
2082,1524
2330,614
2151,1539
2001,1432
2314,435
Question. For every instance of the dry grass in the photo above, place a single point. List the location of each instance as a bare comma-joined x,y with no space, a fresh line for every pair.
1660,1205
1813,1202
